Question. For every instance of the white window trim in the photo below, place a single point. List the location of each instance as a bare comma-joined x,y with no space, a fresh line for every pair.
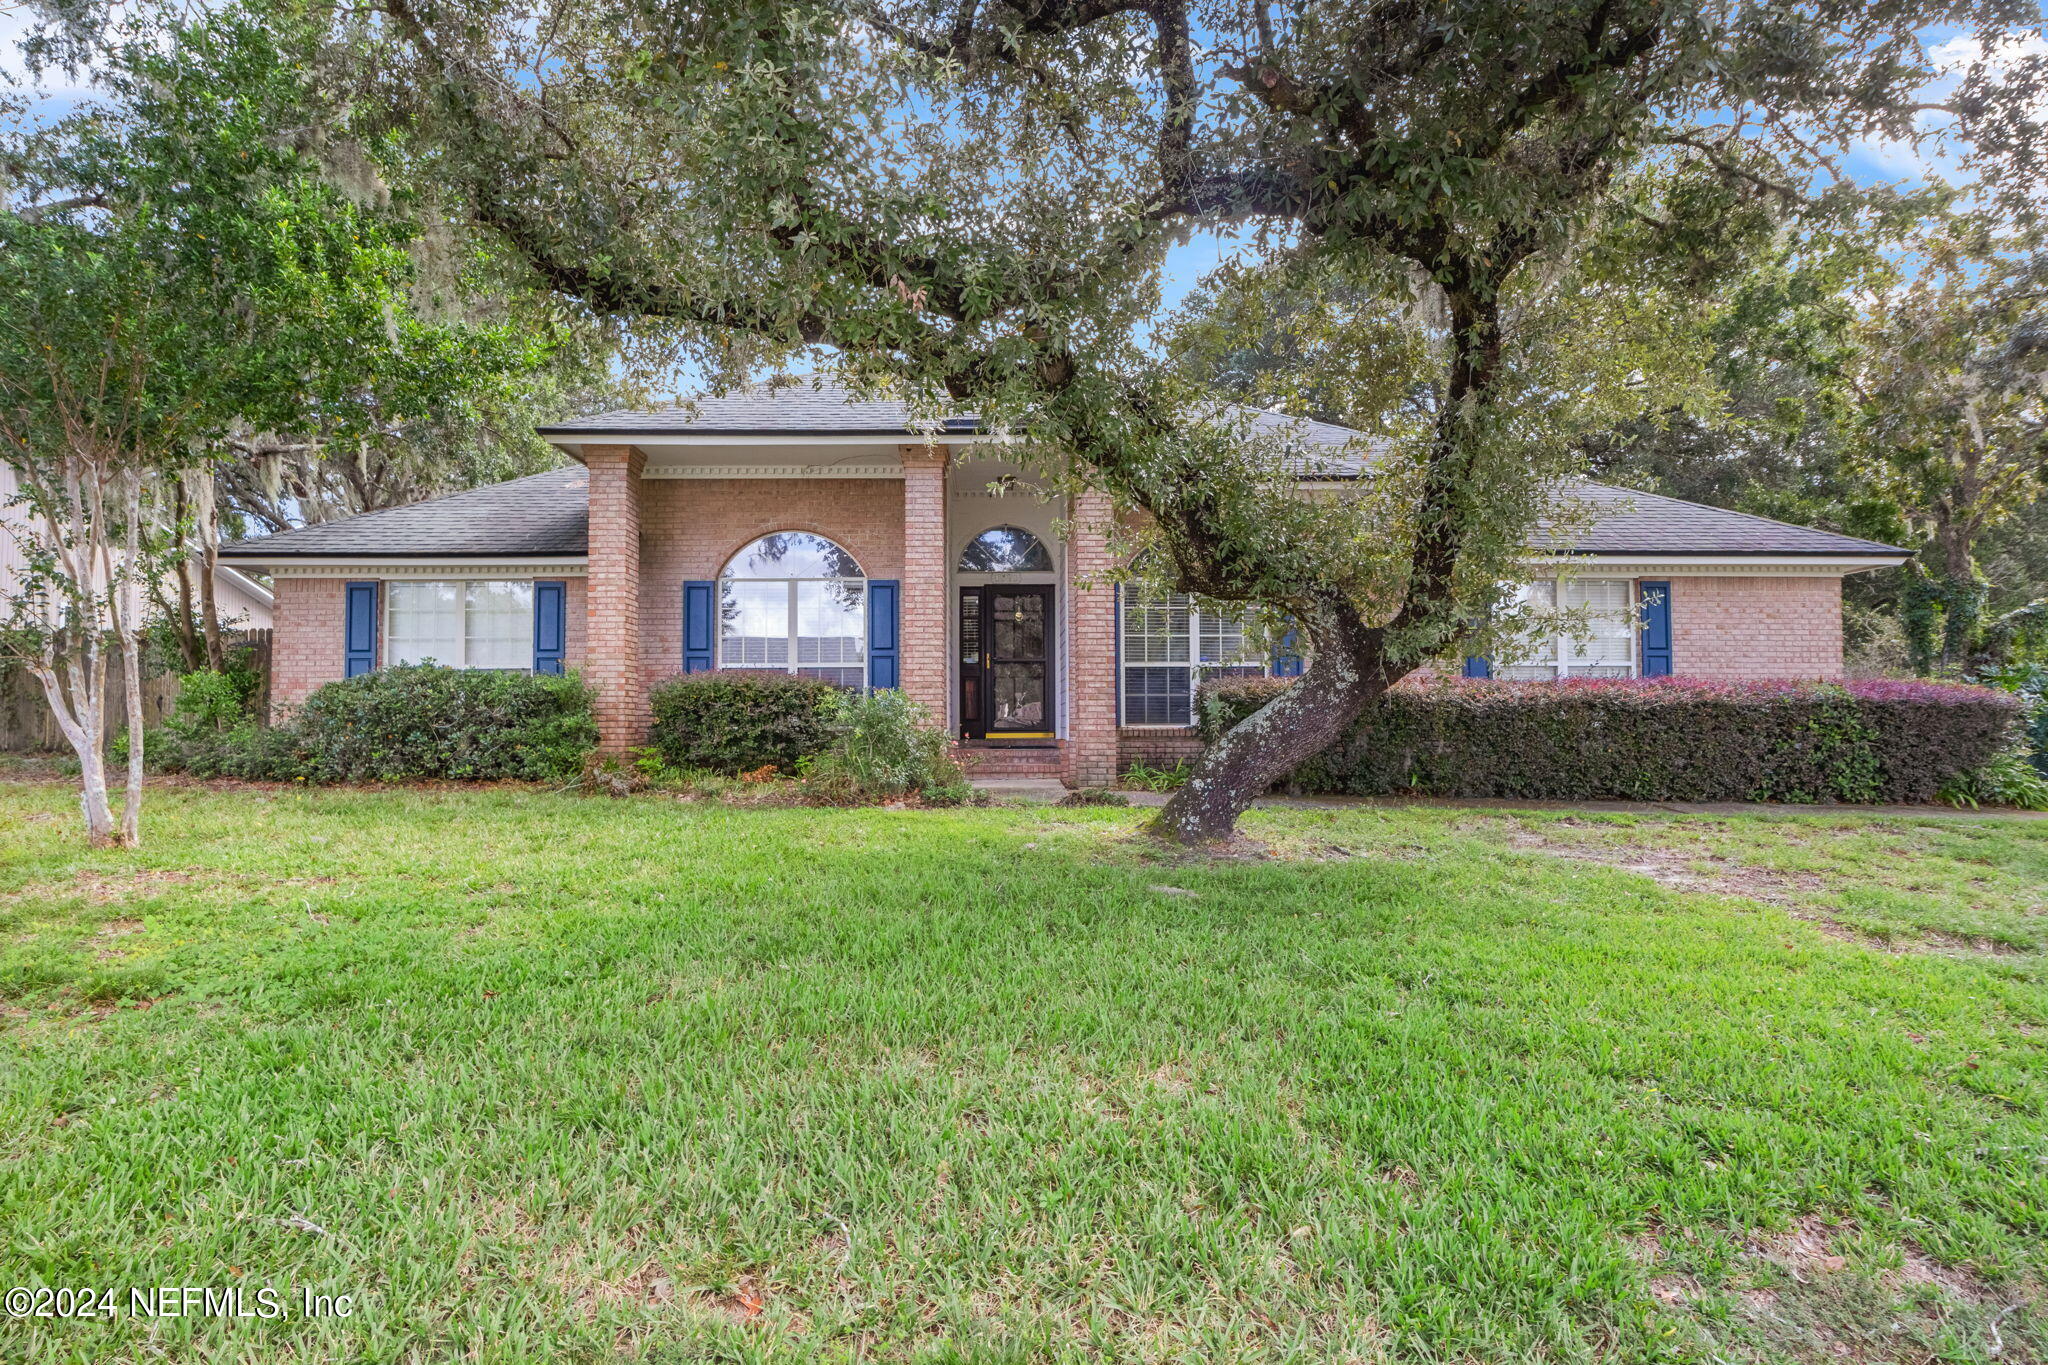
462,633
1196,668
1559,650
795,666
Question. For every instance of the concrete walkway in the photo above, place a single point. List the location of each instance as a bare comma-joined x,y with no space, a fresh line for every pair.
1046,791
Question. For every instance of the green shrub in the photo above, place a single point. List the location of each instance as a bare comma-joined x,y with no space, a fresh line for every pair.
1650,739
2029,682
1139,777
401,724
425,721
733,721
212,700
2009,779
883,744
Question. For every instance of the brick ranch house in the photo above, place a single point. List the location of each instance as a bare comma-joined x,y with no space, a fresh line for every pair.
790,527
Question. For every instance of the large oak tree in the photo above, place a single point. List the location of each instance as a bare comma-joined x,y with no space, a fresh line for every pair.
972,199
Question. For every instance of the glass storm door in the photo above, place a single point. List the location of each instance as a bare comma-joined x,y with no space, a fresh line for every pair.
1006,663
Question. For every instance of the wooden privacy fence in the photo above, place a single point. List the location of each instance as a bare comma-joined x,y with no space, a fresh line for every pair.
26,725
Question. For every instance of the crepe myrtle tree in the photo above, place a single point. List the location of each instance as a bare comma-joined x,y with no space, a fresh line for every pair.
370,366
971,200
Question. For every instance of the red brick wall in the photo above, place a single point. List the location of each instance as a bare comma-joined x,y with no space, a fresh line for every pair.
691,527
613,596
576,622
924,609
1756,627
1091,747
308,648
1157,748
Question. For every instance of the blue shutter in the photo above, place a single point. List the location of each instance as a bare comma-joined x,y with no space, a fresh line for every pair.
359,630
700,625
1287,660
884,658
1655,600
550,626
1476,667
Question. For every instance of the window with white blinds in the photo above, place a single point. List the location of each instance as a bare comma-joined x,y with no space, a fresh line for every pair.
1169,647
1601,645
794,602
475,624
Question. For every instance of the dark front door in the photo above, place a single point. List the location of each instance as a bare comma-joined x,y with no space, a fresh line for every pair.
1006,663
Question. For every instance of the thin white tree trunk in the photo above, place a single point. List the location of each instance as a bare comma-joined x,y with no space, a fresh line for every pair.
126,596
80,715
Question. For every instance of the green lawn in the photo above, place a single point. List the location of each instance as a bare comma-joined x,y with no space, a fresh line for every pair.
536,1077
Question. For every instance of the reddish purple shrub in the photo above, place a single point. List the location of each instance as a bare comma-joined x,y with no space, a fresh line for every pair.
1649,739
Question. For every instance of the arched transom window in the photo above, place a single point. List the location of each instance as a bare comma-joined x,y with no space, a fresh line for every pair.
796,602
1005,549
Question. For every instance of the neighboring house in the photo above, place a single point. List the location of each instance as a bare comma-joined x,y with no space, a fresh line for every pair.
790,528
243,603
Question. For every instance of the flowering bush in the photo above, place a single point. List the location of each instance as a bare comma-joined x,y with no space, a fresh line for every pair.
1650,739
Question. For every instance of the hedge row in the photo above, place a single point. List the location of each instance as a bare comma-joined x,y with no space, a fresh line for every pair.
398,724
1649,739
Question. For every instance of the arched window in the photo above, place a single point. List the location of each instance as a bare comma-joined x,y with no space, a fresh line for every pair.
795,602
1005,549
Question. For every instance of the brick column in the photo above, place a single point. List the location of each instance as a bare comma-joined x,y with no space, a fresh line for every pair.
1091,757
612,639
922,628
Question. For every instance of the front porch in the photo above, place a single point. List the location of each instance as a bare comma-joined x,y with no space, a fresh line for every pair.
983,598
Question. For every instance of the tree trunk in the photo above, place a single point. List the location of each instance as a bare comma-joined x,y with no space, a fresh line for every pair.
207,511
188,644
1350,669
80,711
124,595
1343,678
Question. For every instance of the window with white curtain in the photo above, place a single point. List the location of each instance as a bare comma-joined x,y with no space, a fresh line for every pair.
1170,646
481,623
1601,645
797,603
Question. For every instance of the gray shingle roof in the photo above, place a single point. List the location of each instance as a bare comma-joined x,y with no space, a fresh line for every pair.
541,514
807,407
548,514
815,407
1632,523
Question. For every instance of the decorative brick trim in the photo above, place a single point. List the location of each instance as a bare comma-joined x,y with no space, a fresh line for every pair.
612,638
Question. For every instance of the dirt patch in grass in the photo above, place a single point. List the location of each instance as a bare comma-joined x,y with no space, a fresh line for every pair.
1793,1293
1701,870
99,887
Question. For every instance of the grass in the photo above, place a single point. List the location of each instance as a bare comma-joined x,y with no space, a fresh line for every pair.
540,1078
